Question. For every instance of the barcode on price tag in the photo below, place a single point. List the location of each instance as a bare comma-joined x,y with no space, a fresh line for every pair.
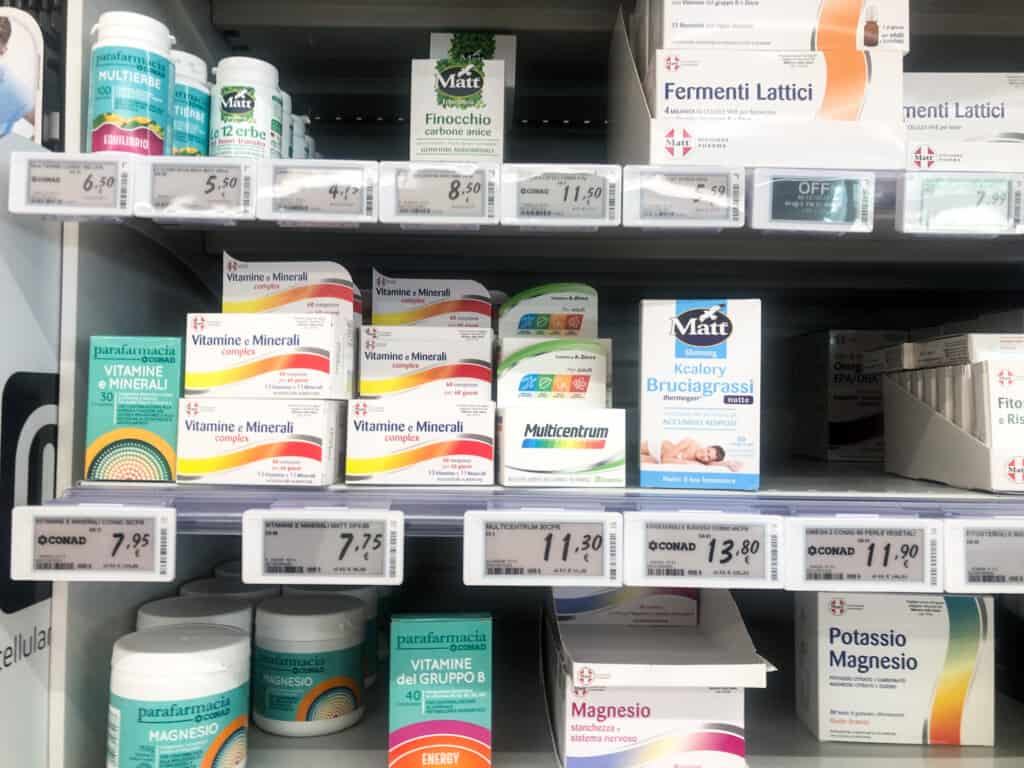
72,185
187,188
93,543
322,546
320,191
985,555
542,548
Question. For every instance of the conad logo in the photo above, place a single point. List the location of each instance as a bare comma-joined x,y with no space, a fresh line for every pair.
702,327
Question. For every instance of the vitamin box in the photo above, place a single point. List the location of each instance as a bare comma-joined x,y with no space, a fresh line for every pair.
259,442
418,442
132,418
426,363
446,303
558,309
266,355
562,371
628,606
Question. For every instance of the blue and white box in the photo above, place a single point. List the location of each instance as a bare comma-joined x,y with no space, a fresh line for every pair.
700,394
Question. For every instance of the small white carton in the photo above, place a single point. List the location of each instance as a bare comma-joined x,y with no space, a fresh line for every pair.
266,355
443,303
551,447
896,669
969,348
556,309
567,372
419,442
426,363
225,441
898,357
628,606
700,393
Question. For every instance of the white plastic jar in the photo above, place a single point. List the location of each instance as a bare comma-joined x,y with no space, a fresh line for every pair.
131,85
310,151
254,593
230,570
179,695
225,611
297,147
191,106
370,599
307,665
246,119
286,124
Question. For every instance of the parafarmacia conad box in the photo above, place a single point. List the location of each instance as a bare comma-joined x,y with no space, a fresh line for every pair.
227,441
426,363
557,309
764,87
445,303
700,393
419,442
266,355
568,372
896,669
546,446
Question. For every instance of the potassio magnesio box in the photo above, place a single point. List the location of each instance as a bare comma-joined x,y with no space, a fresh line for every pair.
558,309
896,669
445,303
259,442
265,355
700,393
426,363
419,442
561,371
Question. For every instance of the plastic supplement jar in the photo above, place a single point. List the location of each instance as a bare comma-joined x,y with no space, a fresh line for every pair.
231,570
307,665
225,611
370,599
179,695
286,124
191,106
131,85
297,147
254,593
246,119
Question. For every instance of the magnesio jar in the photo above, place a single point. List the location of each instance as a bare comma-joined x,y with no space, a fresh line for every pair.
246,119
254,593
371,603
225,611
307,665
191,106
131,85
179,695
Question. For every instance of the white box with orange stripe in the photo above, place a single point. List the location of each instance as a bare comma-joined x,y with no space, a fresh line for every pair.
259,442
445,303
426,363
419,442
266,355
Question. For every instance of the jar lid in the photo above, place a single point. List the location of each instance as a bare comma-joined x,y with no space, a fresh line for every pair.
245,67
367,595
189,65
226,588
128,24
311,618
227,611
181,649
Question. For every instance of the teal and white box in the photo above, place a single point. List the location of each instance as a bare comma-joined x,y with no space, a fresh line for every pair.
439,708
556,309
700,394
565,372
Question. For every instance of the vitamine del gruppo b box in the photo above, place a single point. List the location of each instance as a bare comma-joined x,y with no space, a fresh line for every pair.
628,606
266,355
132,419
896,669
557,309
225,441
565,372
440,703
700,393
445,303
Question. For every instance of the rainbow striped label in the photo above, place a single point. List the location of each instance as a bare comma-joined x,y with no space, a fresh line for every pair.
558,309
556,370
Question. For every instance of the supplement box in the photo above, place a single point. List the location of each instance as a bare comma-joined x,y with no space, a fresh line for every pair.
426,363
566,372
700,394
838,405
628,606
558,309
440,703
266,355
131,423
969,348
445,303
419,442
544,446
896,669
898,357
457,111
674,693
260,442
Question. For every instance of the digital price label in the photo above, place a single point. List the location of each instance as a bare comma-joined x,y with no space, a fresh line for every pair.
712,199
438,192
869,555
985,555
564,548
322,546
560,195
799,200
86,543
74,185
318,191
196,188
961,203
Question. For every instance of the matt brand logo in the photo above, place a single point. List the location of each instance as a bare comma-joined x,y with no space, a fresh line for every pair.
237,102
198,323
837,606
702,327
672,63
1015,469
459,84
678,143
192,408
360,409
232,266
924,157
585,676
1005,378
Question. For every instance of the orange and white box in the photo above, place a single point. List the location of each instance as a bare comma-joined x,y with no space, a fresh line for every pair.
419,442
445,303
452,364
266,355
259,442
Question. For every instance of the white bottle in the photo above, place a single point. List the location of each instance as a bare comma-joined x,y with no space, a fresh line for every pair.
310,150
254,593
226,611
297,148
246,119
286,124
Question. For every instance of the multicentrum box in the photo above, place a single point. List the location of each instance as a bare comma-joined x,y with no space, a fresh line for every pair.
426,363
557,309
446,303
896,669
570,372
419,442
226,441
266,355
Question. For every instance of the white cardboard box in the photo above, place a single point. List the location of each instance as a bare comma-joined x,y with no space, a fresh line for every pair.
225,441
628,606
565,372
896,669
898,357
969,348
555,309
443,303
